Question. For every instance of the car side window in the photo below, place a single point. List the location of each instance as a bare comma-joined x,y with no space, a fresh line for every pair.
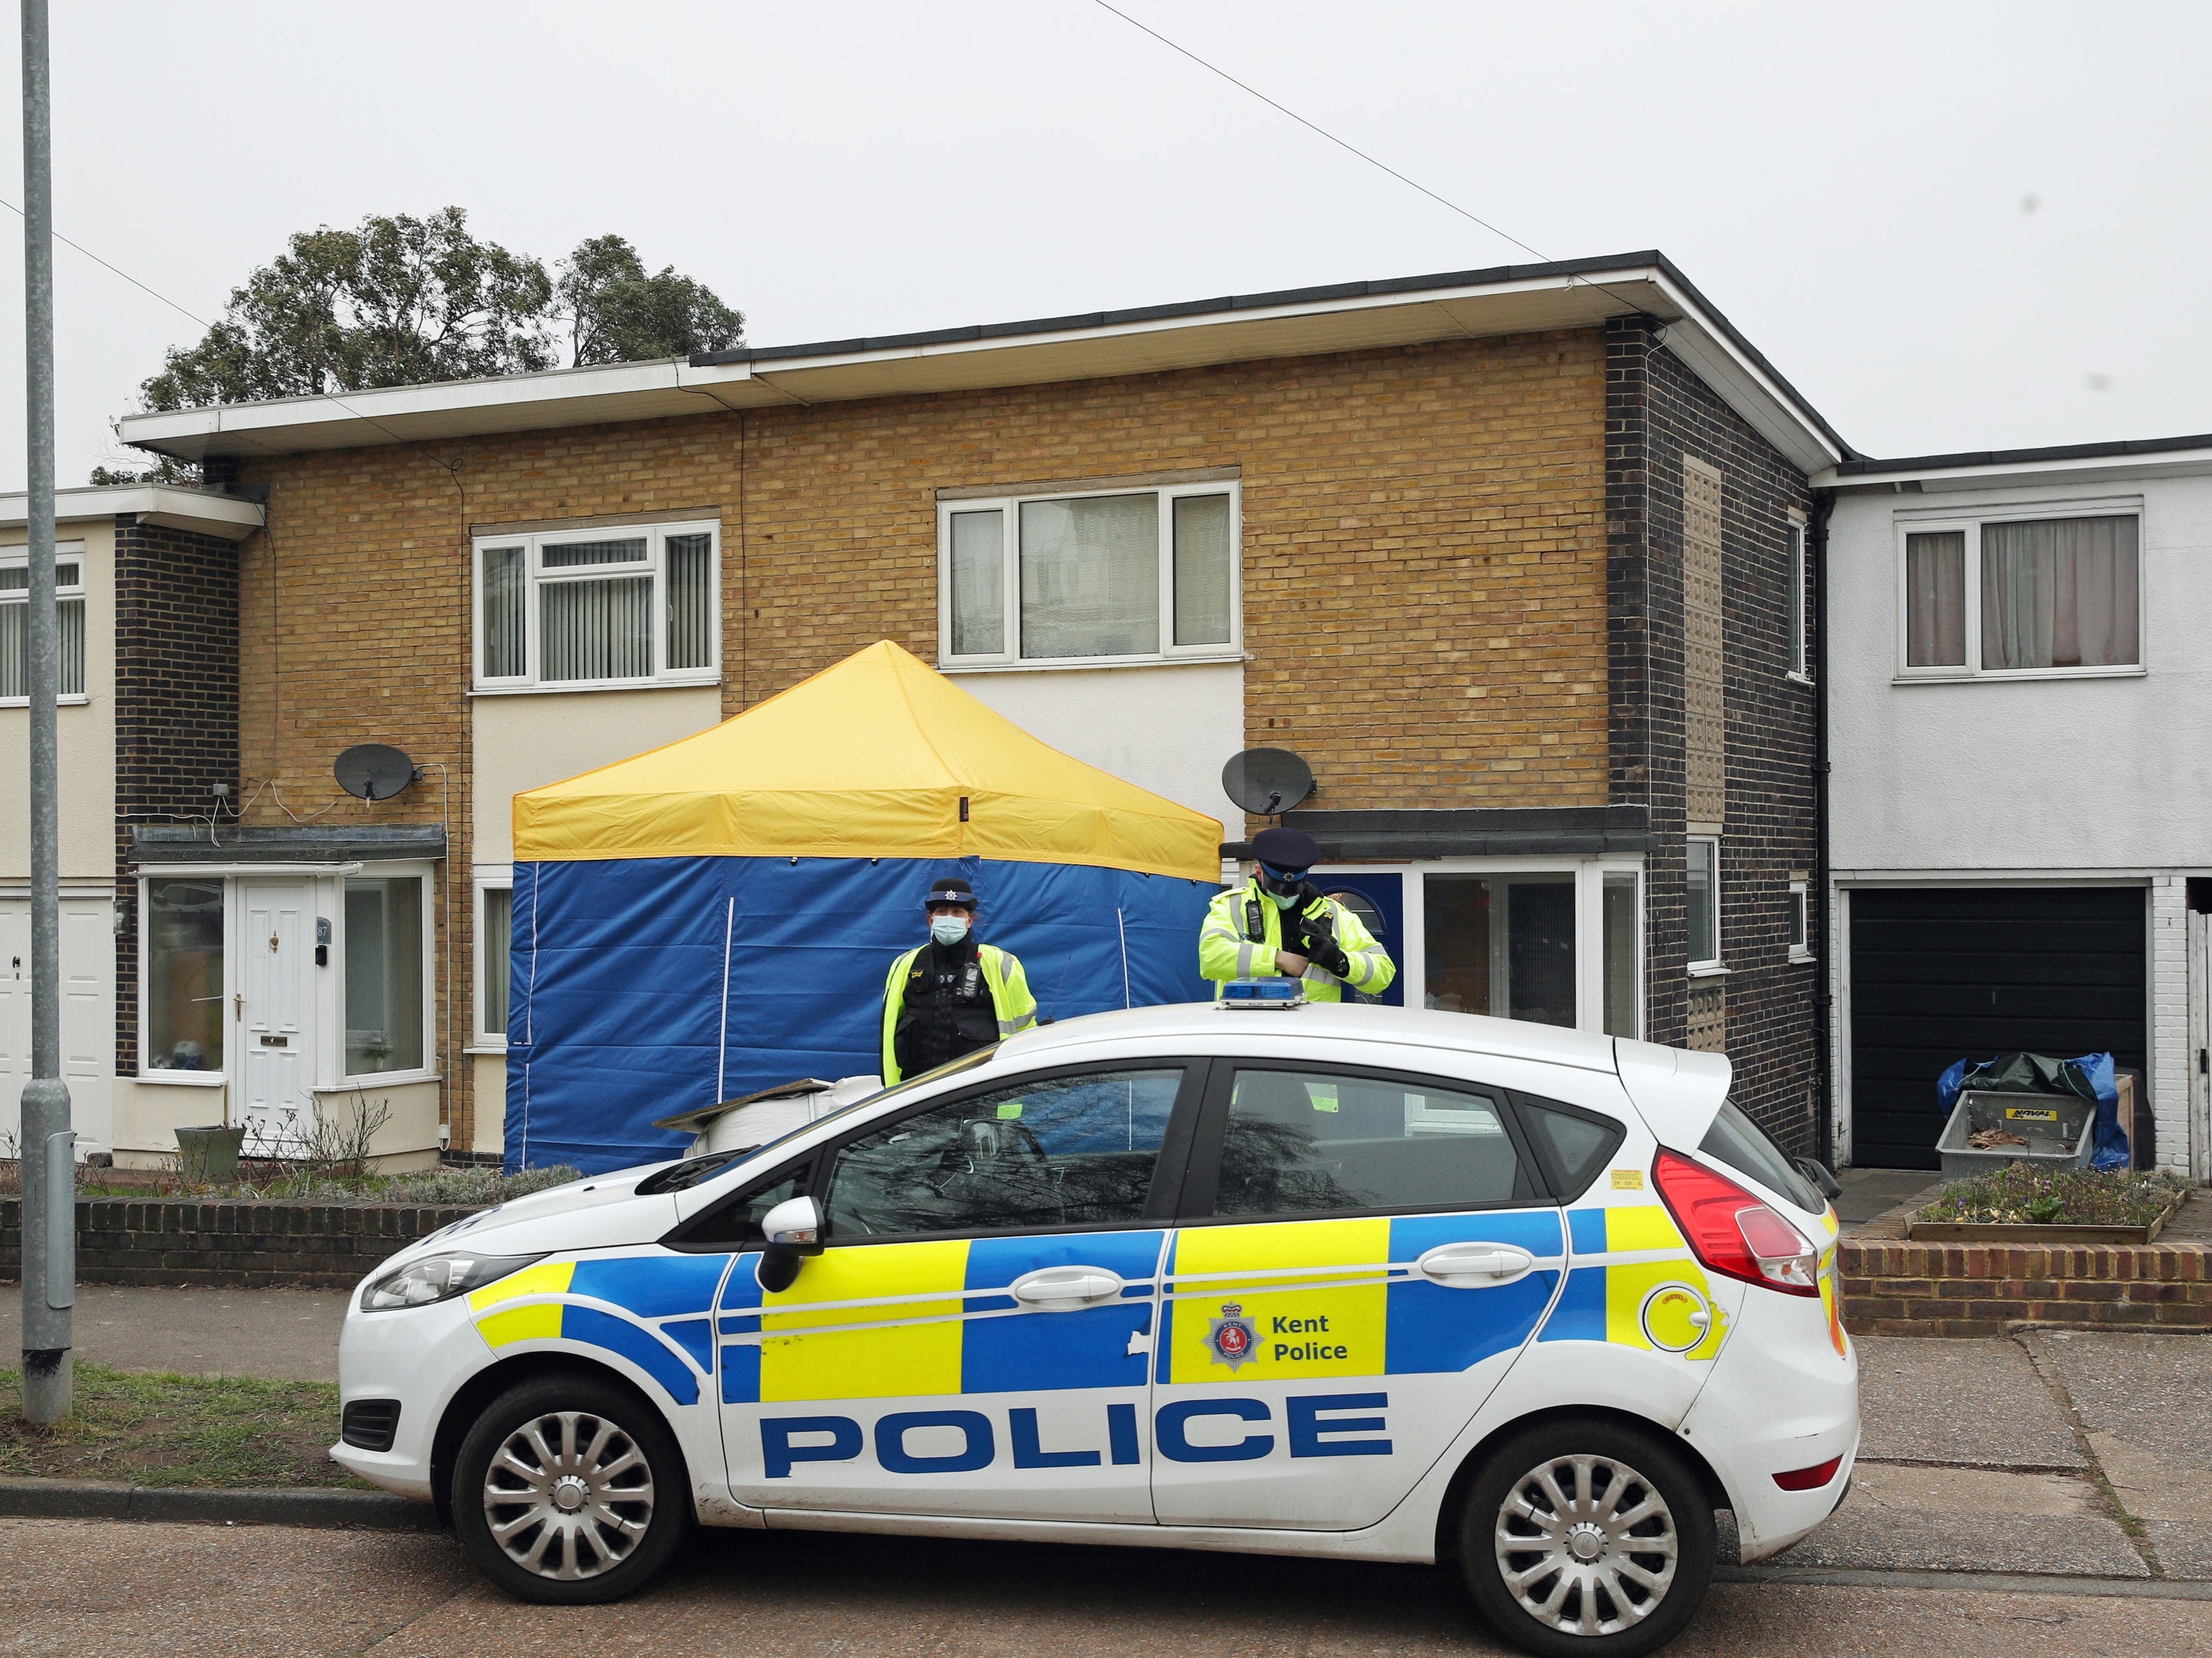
735,1222
1064,1151
1316,1143
1577,1143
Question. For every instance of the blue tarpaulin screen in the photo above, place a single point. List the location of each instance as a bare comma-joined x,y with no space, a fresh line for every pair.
616,1014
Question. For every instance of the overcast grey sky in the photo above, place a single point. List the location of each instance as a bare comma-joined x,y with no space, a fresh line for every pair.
1952,225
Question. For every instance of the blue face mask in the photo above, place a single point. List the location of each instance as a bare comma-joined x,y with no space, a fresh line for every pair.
948,929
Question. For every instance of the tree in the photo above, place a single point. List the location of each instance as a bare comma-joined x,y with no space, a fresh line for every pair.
398,302
617,313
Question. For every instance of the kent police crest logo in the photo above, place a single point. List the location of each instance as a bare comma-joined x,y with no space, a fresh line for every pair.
1234,1341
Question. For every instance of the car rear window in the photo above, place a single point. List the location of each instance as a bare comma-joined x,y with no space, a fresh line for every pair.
1744,1146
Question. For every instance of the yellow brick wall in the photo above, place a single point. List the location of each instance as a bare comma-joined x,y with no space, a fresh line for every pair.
1423,557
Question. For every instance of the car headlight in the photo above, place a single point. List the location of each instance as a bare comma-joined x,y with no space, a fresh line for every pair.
439,1278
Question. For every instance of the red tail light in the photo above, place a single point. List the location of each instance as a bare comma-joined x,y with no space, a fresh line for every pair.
1809,1479
1733,1232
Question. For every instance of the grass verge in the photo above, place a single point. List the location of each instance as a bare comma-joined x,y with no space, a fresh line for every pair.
146,1428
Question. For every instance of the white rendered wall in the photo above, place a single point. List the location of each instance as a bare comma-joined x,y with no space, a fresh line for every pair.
1167,729
85,734
2042,779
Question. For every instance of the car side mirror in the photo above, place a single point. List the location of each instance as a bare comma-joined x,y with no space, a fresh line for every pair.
793,1231
1817,1172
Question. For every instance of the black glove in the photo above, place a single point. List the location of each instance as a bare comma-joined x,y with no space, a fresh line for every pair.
1319,943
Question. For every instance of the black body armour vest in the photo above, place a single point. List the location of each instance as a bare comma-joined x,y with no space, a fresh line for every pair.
947,1010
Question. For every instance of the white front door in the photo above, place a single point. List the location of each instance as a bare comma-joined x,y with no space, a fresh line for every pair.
274,1016
14,1017
87,1028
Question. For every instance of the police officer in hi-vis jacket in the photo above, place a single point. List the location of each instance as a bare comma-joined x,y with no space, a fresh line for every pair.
1279,924
952,995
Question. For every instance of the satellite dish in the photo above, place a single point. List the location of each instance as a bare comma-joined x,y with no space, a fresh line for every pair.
1266,782
375,771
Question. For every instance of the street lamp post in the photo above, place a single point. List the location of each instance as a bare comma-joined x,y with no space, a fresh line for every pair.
48,1149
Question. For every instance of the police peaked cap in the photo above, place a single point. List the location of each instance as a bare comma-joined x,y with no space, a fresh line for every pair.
950,889
1286,848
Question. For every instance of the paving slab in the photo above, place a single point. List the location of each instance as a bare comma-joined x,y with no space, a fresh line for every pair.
1967,1404
285,1335
1869,1193
2183,1547
2153,1391
1918,1518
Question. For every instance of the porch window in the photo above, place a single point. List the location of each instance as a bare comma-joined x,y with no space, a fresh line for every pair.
2023,597
1502,944
15,622
182,973
583,609
383,974
1119,576
1701,902
1624,991
494,934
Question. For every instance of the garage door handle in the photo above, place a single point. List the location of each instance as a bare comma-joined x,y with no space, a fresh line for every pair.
1471,1265
1059,1288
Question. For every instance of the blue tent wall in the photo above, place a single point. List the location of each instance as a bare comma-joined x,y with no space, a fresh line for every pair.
617,1011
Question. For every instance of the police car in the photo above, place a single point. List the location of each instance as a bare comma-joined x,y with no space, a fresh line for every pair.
1332,1280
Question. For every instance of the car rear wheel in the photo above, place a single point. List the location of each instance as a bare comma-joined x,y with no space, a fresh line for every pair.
570,1491
1587,1537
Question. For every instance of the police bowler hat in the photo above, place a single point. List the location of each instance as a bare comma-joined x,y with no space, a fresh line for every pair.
1286,848
950,889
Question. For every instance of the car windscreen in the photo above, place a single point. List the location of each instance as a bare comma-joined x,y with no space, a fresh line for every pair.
1744,1146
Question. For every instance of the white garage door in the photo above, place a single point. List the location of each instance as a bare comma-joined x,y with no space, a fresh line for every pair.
88,1017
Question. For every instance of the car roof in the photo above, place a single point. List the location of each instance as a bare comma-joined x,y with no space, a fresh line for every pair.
1201,1024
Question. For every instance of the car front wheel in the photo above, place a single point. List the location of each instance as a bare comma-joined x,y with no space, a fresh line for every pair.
1587,1538
570,1491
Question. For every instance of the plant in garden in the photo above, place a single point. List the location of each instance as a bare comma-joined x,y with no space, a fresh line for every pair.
2024,1195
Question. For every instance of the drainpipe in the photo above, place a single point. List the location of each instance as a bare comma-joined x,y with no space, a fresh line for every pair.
1824,1006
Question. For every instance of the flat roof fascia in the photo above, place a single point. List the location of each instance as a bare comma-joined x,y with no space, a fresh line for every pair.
1149,339
200,511
2074,464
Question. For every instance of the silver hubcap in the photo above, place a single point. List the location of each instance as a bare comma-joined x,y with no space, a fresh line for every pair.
569,1495
1586,1544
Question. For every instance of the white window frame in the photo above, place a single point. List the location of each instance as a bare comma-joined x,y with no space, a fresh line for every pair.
1971,527
160,1077
1409,952
19,558
535,577
1797,614
335,1043
1701,966
489,877
1800,918
1010,572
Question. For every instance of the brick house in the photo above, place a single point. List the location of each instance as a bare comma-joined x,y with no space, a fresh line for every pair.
1516,558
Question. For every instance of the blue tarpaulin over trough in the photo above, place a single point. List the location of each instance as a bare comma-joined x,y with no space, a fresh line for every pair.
718,916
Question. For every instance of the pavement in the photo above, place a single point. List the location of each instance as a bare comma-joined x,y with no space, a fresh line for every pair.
286,1335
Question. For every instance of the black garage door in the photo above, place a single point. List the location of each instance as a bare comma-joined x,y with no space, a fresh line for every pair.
1952,973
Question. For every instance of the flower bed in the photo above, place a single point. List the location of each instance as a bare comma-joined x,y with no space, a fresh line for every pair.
2026,1205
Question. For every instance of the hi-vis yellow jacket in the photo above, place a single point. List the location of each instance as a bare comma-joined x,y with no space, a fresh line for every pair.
1010,998
1229,949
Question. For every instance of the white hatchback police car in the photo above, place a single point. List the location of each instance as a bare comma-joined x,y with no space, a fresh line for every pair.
1327,1280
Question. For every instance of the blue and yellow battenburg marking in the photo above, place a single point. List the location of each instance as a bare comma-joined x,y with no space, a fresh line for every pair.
891,1319
650,1309
1294,1300
1633,1281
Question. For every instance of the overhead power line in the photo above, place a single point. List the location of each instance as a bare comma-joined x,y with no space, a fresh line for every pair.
1316,128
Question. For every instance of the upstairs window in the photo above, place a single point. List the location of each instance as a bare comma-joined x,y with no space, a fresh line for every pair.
1800,661
1131,575
15,621
586,609
2024,597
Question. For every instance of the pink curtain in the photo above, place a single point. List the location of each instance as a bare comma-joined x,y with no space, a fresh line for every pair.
2060,593
1936,600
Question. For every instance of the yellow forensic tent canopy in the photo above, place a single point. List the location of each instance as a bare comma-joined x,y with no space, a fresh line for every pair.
872,758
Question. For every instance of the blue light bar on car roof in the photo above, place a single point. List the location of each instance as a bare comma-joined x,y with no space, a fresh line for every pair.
1263,993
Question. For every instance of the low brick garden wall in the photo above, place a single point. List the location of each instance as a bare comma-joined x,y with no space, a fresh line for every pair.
235,1245
1895,1287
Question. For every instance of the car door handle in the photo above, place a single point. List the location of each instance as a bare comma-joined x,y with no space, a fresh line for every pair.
1062,1289
1474,1265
